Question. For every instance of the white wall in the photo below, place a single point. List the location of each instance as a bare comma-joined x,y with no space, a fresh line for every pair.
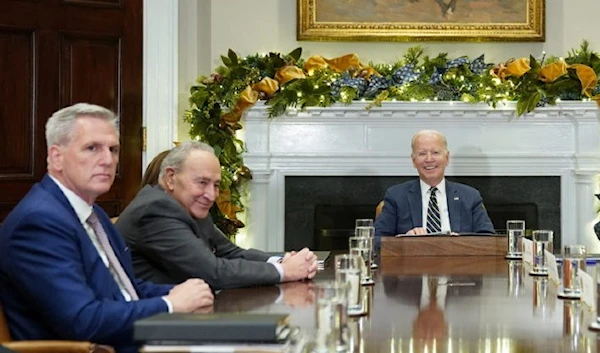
208,28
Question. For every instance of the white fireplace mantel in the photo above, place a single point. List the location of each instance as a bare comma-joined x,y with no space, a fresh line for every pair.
562,140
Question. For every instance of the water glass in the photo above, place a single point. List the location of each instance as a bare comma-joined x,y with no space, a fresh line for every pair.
331,301
362,246
369,232
541,241
515,230
573,262
347,270
363,222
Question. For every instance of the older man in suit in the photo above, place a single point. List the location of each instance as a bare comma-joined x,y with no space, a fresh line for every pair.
431,204
65,272
173,238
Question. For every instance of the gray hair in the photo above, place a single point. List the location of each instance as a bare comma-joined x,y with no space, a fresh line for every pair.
178,155
428,132
60,125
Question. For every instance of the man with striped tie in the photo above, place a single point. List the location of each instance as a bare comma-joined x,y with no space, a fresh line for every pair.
432,204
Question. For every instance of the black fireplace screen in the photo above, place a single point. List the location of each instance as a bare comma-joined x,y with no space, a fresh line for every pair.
320,210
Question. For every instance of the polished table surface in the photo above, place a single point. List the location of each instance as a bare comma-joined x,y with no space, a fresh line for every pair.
490,305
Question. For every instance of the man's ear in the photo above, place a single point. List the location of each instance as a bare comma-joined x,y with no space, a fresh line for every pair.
169,178
55,157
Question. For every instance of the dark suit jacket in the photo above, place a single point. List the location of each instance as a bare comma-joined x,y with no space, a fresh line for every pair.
53,283
169,246
403,209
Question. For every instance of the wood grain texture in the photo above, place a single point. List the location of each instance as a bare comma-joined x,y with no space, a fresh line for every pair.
443,265
57,53
484,245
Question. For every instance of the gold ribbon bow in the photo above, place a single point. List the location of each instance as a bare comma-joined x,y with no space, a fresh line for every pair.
516,68
349,62
226,206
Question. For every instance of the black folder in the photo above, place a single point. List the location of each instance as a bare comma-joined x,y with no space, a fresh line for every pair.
226,327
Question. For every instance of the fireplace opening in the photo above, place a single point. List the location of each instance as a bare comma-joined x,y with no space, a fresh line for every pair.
335,223
320,210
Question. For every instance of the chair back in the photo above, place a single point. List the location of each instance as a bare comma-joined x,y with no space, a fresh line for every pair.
378,209
4,333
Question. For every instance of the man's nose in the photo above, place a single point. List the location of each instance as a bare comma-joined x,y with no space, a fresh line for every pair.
107,157
211,193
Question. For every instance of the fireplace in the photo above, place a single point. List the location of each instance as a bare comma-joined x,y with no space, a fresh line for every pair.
326,207
489,149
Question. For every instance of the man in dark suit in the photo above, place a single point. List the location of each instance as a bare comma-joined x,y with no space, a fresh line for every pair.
173,238
458,207
65,272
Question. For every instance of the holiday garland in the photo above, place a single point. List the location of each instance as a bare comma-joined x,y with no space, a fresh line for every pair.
218,101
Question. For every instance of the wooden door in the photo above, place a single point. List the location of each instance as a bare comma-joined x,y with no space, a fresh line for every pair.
54,53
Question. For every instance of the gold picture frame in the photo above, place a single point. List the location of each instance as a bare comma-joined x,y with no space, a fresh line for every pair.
421,20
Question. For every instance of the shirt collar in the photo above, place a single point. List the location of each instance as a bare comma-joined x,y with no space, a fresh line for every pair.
425,187
82,209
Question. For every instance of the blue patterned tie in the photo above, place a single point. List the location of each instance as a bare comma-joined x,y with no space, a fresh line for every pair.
434,222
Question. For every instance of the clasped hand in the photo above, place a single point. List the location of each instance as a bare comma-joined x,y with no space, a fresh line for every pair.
299,265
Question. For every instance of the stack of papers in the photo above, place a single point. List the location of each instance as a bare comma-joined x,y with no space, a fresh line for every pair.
226,328
322,256
217,348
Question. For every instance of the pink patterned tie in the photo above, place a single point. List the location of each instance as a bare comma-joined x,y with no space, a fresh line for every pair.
113,261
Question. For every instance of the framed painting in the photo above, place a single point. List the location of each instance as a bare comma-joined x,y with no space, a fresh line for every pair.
421,20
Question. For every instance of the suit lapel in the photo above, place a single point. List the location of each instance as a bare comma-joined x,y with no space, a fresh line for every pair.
101,273
415,205
454,202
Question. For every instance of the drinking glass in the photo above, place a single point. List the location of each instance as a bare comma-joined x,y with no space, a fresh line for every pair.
347,270
364,228
362,247
331,301
573,262
515,230
541,241
363,222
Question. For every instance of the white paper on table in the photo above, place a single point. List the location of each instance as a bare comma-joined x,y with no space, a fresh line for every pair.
588,290
527,250
552,267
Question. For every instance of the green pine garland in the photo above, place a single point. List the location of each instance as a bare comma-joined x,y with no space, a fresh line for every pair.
214,95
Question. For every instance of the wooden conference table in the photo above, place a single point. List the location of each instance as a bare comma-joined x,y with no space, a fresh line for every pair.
491,305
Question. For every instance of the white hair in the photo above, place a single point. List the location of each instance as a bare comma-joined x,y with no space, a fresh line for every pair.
178,155
60,125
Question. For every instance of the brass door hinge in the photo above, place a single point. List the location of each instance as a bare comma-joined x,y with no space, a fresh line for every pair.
144,139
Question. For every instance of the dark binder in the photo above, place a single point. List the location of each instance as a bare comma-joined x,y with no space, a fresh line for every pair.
226,327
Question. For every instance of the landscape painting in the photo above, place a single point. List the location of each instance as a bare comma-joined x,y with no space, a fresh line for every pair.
406,20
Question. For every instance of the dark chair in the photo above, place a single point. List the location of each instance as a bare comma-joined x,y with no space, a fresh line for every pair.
47,346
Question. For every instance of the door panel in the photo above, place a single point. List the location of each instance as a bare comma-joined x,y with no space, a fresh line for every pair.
55,53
